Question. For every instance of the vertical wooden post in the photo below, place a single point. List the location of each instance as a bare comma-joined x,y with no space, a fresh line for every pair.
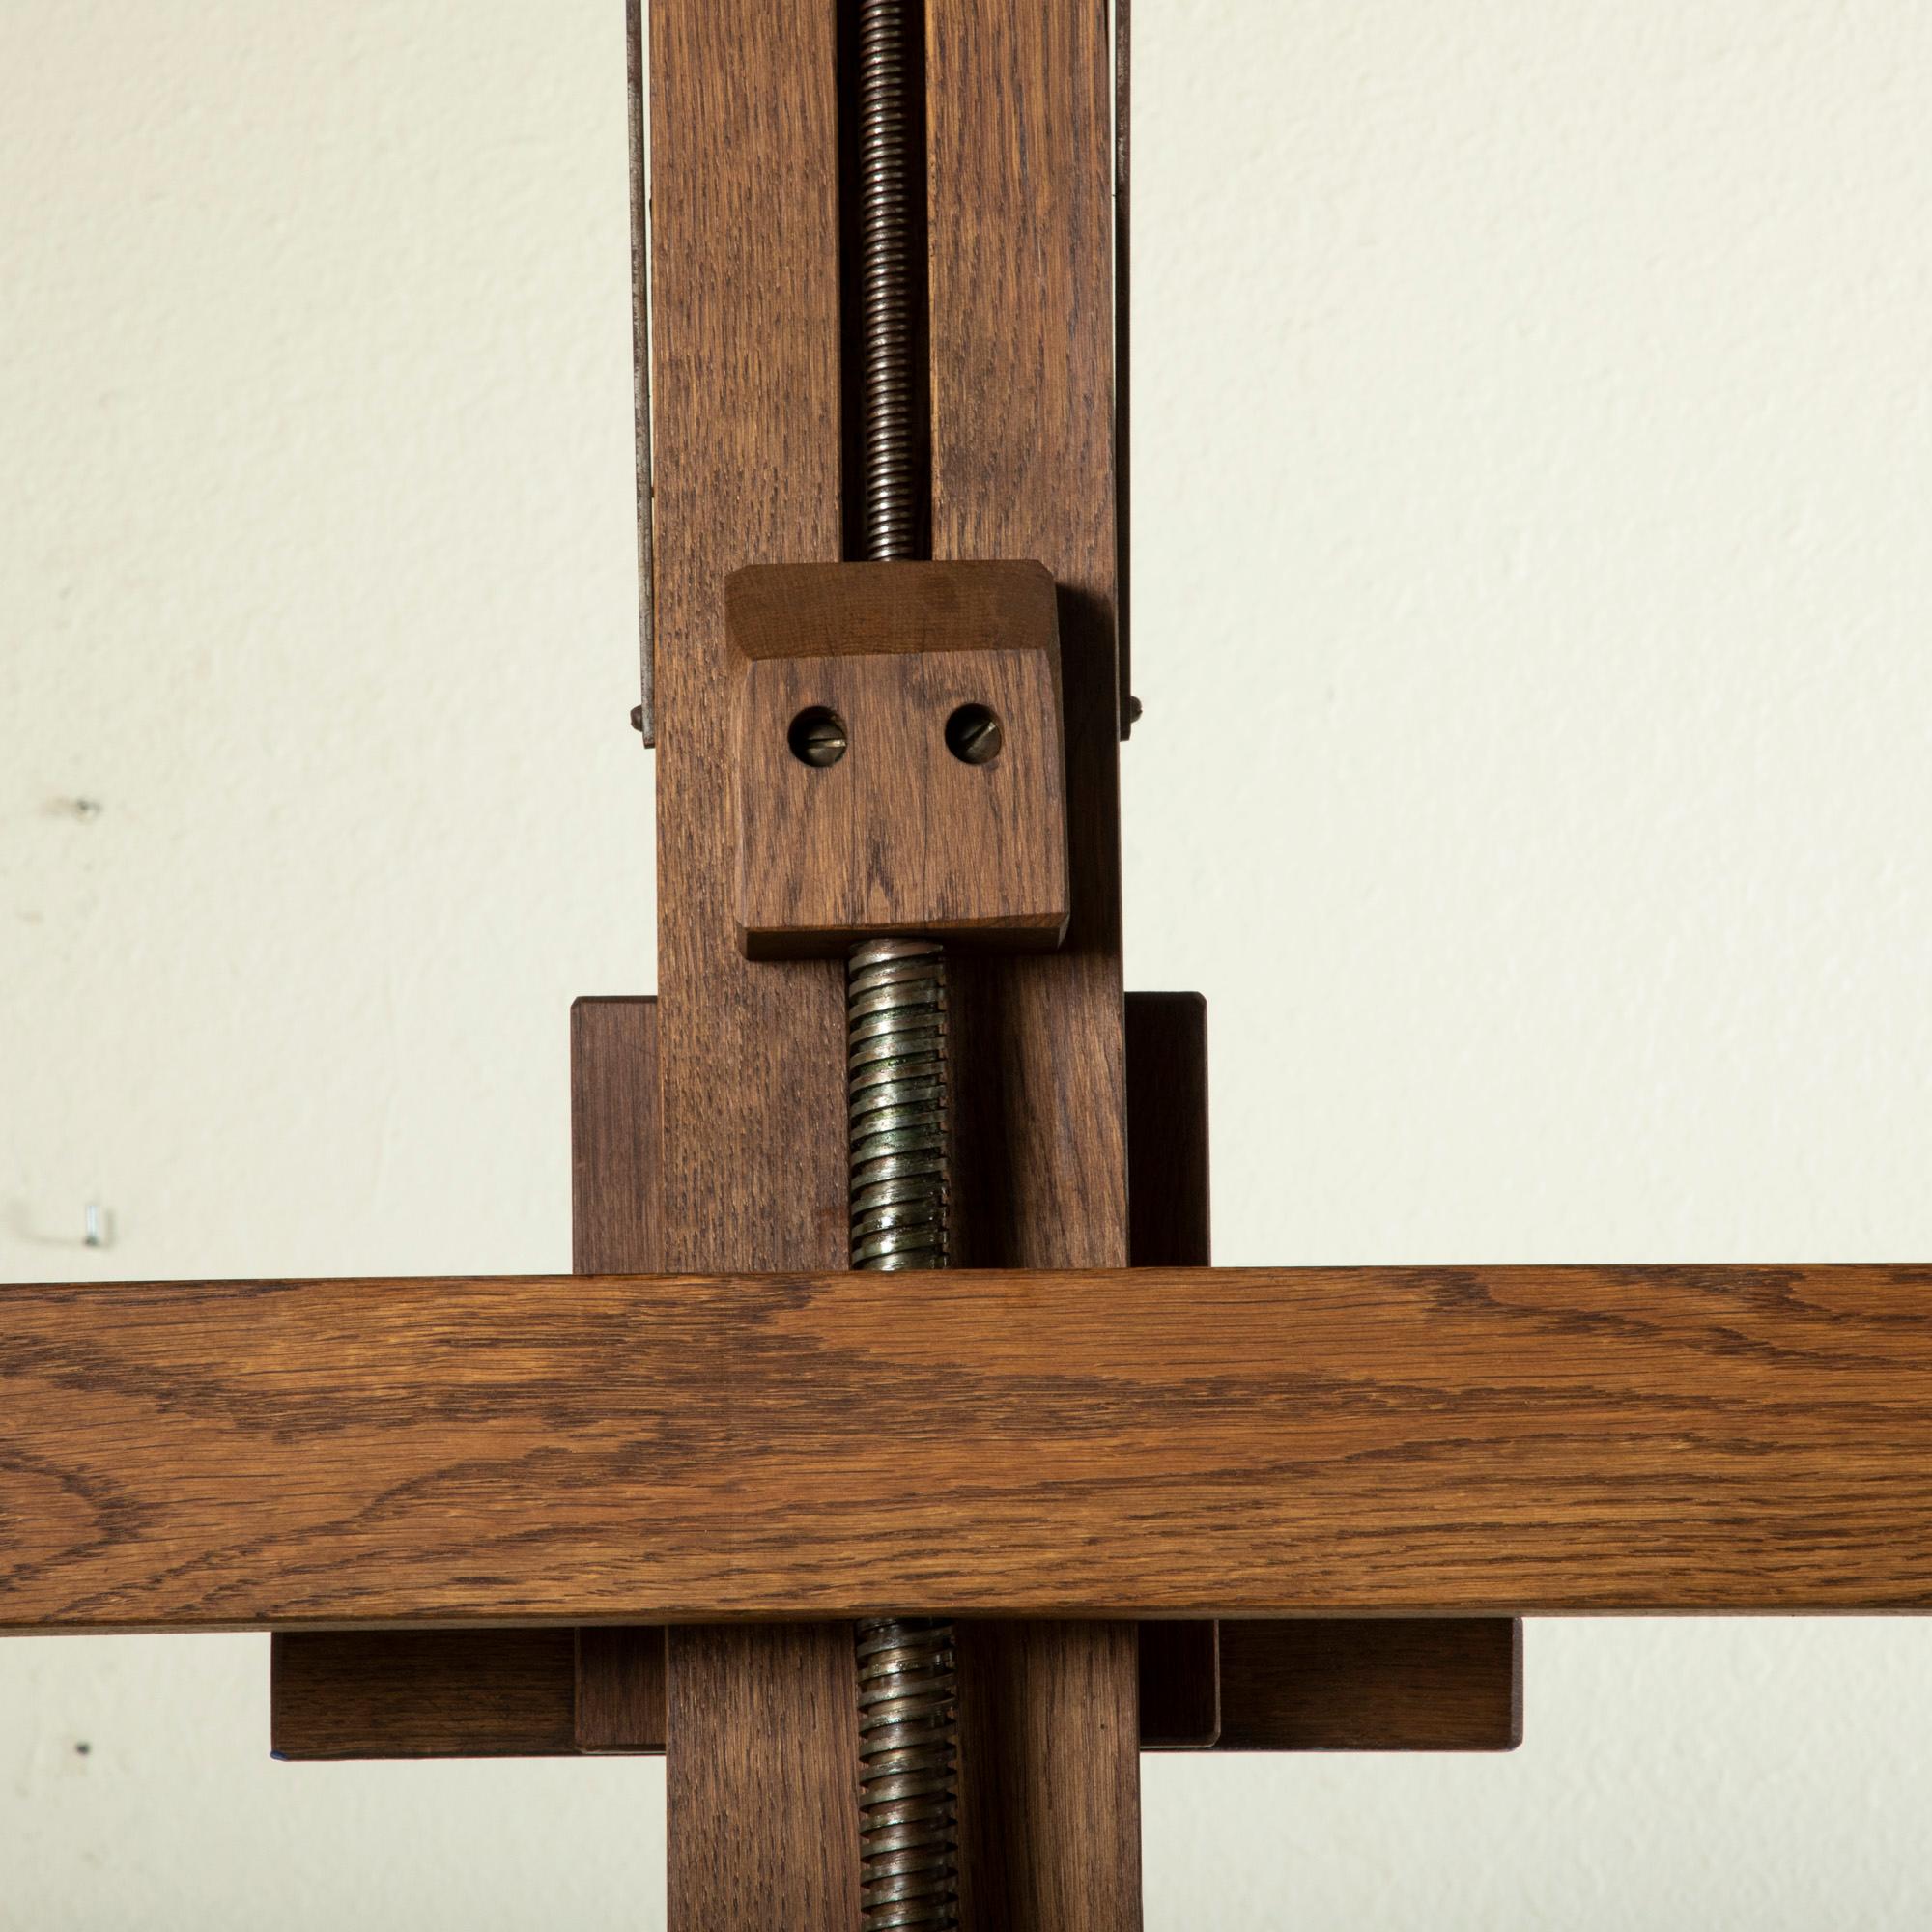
746,399
1019,169
616,1228
762,1743
761,1748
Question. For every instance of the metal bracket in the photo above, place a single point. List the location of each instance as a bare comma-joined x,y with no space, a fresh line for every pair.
644,718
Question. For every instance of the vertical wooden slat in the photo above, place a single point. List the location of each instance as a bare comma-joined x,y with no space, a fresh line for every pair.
1167,1209
745,396
1180,1685
1048,1836
619,1701
615,1142
1019,172
1167,1130
745,344
761,1750
616,1228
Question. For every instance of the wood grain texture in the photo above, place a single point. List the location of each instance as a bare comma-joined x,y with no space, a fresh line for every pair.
746,389
761,1787
1073,1855
747,408
422,1693
621,1688
1021,289
1382,1683
833,610
1261,1443
615,1196
1391,1683
1019,172
615,1224
1409,1684
899,835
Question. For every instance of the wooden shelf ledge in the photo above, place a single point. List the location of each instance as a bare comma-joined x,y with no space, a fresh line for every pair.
1108,1443
1381,1684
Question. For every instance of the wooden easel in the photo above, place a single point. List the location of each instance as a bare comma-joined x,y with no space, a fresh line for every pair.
638,1509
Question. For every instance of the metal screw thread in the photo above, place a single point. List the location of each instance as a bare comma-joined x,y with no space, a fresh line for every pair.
897,1070
900,1202
907,1770
885,282
896,1103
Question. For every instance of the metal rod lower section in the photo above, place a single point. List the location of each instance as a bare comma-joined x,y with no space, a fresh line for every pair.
899,1116
897,1072
898,1104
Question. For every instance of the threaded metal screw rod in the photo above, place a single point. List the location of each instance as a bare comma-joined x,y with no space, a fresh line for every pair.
896,1103
897,1122
885,282
906,1767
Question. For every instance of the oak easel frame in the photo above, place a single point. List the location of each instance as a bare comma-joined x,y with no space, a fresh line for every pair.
470,1509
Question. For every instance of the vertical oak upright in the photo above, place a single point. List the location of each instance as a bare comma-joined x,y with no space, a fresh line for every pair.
1019,169
761,1736
746,389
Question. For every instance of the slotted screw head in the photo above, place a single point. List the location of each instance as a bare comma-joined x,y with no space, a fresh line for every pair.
817,737
974,735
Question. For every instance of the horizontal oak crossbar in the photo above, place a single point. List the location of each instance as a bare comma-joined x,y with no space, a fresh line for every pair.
1252,1442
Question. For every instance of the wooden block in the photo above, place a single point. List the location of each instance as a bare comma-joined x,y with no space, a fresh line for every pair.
615,1196
1167,1199
763,1749
1393,1684
1167,1130
1180,1685
422,1693
621,1688
1119,1443
868,610
945,813
1049,1774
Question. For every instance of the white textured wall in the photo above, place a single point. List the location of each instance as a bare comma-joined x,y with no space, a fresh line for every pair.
1533,443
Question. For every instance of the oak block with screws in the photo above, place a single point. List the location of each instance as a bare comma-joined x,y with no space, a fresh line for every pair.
898,762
